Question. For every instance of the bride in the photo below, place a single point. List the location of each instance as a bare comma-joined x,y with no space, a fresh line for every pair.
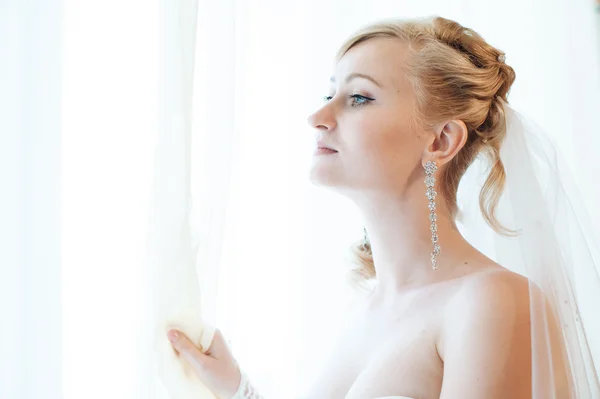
412,104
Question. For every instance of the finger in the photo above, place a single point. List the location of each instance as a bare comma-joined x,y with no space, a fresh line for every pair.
219,348
190,352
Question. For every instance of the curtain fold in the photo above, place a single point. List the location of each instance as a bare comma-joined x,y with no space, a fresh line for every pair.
30,203
172,290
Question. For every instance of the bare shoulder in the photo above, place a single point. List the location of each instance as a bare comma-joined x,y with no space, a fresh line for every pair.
488,302
485,338
500,287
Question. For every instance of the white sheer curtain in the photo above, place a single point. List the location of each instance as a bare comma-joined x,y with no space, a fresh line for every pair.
272,247
30,208
109,133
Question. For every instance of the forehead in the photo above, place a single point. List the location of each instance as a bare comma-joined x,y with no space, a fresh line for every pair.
382,58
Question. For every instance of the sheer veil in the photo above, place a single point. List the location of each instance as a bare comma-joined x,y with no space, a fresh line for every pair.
553,248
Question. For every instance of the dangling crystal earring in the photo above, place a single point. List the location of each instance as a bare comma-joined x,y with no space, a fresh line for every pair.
430,169
366,237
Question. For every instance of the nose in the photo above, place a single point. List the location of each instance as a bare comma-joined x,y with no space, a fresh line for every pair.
323,118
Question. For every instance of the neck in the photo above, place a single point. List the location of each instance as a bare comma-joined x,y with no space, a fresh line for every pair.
399,232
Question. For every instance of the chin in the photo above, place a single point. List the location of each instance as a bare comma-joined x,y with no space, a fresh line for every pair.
321,176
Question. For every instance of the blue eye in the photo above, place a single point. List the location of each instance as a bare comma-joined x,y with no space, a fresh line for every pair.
359,100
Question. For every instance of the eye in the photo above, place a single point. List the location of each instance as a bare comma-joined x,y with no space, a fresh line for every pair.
359,100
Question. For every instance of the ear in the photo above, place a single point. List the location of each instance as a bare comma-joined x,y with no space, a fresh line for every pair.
447,140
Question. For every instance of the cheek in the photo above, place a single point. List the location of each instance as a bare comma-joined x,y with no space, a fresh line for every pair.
392,149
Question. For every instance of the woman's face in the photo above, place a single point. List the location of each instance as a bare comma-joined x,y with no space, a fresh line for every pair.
367,120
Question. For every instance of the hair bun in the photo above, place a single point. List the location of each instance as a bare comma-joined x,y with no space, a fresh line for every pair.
477,50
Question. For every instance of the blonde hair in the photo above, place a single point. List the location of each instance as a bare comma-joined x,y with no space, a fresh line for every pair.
455,74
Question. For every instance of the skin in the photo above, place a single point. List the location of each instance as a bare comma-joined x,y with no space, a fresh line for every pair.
459,332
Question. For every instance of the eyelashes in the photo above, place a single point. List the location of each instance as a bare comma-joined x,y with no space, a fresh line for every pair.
357,100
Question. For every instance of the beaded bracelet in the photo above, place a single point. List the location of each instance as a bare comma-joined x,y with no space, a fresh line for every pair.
246,390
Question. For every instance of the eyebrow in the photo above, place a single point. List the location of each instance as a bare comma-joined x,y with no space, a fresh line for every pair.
357,75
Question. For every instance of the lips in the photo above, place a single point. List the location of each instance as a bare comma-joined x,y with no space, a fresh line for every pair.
322,145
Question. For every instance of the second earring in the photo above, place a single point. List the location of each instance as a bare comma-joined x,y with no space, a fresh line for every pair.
430,169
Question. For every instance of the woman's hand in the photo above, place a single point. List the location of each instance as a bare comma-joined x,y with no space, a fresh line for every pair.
216,368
